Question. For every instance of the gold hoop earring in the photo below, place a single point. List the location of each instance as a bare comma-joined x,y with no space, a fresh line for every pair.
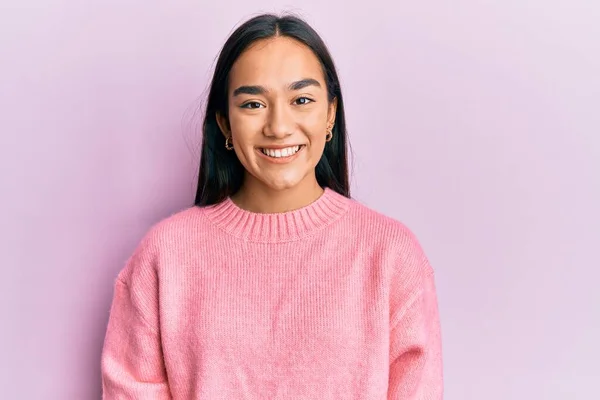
329,136
228,143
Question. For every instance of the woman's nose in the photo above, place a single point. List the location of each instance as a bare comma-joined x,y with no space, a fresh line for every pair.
280,122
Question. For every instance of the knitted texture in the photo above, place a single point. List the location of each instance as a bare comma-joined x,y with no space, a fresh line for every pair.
331,301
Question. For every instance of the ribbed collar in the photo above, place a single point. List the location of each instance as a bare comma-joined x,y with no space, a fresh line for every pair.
278,227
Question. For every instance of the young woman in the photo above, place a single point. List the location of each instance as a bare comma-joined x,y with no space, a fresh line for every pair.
276,284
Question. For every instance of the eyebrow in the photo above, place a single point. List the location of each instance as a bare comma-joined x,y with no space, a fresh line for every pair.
256,89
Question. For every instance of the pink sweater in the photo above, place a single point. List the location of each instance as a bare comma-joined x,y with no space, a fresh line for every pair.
332,301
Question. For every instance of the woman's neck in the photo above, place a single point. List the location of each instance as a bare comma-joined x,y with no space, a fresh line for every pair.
261,199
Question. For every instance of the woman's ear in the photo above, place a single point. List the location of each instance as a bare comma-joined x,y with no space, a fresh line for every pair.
223,124
331,112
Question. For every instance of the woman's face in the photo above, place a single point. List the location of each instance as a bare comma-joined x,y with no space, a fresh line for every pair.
279,113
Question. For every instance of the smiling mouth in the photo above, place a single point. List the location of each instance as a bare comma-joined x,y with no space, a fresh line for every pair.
281,153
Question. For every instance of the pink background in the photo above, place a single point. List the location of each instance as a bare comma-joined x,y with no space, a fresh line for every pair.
477,123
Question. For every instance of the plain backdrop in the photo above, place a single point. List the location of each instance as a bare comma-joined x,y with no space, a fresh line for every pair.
476,123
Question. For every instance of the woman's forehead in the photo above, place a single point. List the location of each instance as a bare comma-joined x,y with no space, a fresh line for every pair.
275,63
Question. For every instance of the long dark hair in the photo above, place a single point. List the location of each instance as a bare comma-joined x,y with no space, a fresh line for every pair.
221,173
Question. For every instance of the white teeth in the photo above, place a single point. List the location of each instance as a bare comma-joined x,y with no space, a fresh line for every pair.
286,152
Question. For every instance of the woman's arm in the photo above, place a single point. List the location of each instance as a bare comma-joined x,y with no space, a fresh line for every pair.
132,360
416,371
415,347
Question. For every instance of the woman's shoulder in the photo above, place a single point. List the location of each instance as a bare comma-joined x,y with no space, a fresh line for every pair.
181,225
168,236
391,236
369,219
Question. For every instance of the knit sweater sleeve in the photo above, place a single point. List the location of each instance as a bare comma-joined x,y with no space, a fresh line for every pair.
132,361
416,371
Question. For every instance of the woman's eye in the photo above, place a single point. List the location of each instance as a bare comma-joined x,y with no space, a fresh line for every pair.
302,100
252,105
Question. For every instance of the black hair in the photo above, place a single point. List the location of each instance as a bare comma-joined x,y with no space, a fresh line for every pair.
221,173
